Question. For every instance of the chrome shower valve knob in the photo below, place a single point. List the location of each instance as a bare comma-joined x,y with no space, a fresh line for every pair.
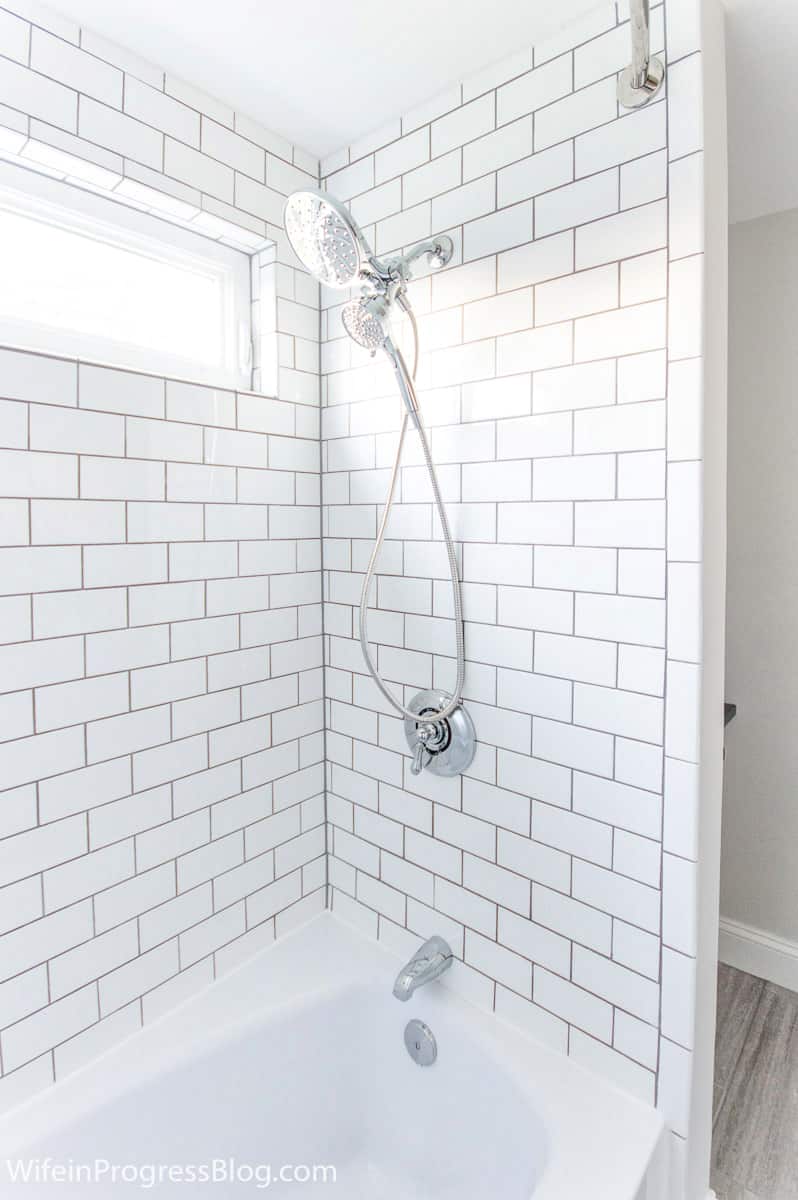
444,747
432,739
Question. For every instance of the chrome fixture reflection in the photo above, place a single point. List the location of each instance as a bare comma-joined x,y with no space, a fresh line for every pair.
428,962
640,82
330,245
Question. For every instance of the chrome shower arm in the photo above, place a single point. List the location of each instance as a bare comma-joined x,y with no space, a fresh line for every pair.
640,82
641,41
397,270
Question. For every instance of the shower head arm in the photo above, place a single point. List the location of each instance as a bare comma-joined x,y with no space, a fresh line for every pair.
396,272
439,249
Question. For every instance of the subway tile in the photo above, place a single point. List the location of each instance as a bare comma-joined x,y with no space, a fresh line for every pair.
466,907
427,181
644,180
39,569
616,711
585,109
535,349
13,424
18,811
575,204
638,134
575,1005
571,833
641,669
621,618
584,659
625,523
84,700
32,758
463,124
121,479
584,477
123,818
16,35
58,1021
33,376
203,405
64,429
127,733
220,143
137,977
67,522
576,295
585,385
38,96
572,746
499,231
638,328
535,608
511,142
462,204
538,522
614,894
536,261
87,962
168,761
535,174
402,154
212,934
38,849
199,170
685,107
637,231
106,127
163,440
73,881
27,473
534,89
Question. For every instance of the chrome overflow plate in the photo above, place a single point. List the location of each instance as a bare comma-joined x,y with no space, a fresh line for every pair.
443,747
420,1043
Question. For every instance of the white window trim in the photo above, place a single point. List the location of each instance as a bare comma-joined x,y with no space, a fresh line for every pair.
31,193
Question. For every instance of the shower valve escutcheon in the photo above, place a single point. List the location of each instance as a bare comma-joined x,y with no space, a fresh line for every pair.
444,747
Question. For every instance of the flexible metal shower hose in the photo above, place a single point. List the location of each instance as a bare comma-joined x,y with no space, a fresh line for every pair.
452,704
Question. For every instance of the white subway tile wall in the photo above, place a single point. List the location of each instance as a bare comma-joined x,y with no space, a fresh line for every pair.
161,753
168,534
161,762
555,407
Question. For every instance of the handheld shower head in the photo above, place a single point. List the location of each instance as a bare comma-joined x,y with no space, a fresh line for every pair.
365,321
325,238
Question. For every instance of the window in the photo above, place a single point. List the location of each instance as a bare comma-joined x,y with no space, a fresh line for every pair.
90,278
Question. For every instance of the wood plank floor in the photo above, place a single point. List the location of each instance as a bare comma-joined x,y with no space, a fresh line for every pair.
755,1118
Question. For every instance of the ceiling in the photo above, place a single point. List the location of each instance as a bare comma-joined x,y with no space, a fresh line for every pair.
762,49
323,73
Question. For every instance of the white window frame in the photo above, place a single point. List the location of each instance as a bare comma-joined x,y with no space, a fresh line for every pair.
58,203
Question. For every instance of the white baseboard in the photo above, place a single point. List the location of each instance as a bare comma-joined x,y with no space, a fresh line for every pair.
759,953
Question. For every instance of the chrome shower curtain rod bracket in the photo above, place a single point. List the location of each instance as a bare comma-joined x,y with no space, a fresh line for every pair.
640,82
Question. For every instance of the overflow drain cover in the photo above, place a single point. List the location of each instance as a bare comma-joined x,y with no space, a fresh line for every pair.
420,1043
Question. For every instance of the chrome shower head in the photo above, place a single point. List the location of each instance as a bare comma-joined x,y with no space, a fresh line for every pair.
325,238
365,321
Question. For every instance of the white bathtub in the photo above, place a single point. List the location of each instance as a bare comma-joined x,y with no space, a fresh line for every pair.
297,1060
